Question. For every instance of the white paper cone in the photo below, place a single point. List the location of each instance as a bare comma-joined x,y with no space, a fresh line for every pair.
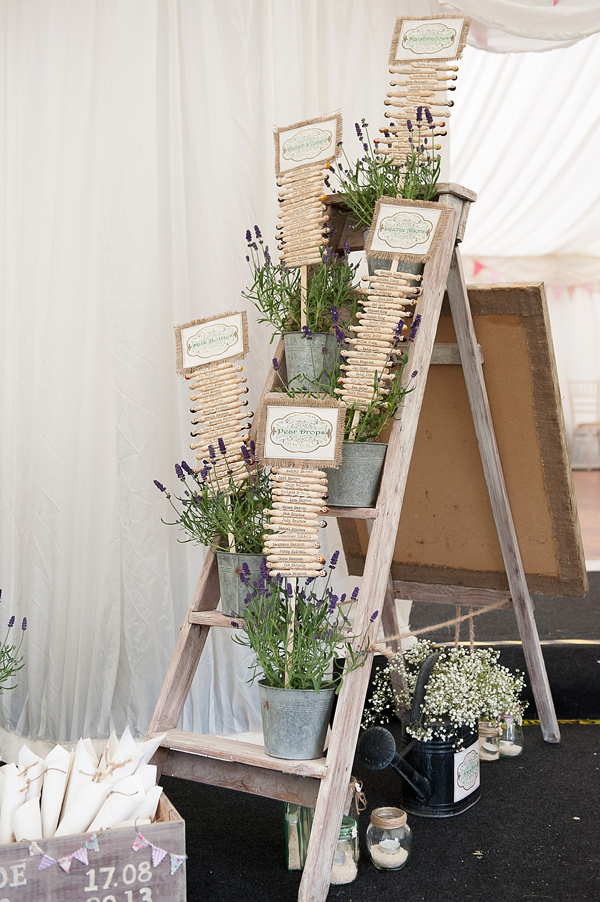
82,772
27,821
89,745
109,751
31,768
135,823
124,760
13,797
146,749
83,808
149,804
120,804
148,774
58,766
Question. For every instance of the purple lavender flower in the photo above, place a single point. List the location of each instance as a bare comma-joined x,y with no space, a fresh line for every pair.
264,571
374,616
179,472
354,595
211,452
257,232
24,624
186,467
398,330
359,133
428,116
252,447
366,148
415,327
248,236
11,622
335,315
307,333
159,486
289,590
334,560
267,254
419,114
409,125
332,603
339,335
246,454
324,350
247,259
235,624
413,374
276,364
222,447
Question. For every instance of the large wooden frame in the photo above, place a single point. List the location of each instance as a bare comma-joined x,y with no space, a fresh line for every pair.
447,533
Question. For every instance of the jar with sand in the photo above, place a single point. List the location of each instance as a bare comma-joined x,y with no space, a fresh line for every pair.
389,839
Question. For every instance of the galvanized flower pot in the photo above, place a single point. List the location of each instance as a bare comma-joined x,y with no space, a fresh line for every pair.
307,363
295,720
356,482
233,590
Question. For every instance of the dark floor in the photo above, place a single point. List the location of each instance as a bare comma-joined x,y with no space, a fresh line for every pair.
533,834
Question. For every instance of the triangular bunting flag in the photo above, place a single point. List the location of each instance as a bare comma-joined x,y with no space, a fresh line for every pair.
46,862
176,862
66,863
139,843
157,855
81,855
34,849
92,844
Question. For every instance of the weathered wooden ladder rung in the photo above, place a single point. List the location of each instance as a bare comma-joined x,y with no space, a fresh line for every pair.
324,784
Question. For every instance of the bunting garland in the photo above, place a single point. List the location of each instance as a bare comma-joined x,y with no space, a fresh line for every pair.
81,854
158,853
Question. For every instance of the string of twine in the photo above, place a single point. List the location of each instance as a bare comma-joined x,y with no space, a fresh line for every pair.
359,799
377,649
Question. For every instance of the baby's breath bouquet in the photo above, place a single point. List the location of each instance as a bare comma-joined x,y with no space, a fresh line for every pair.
317,618
376,174
213,509
464,687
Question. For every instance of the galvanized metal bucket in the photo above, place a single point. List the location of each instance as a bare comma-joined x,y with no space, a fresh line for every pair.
307,363
295,721
356,482
233,590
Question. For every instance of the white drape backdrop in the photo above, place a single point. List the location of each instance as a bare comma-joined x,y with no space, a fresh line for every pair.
136,149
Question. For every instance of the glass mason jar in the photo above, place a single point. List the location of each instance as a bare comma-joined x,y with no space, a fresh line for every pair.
489,740
297,822
345,860
511,736
389,839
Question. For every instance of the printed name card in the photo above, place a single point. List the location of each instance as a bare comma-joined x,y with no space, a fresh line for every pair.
306,431
203,341
306,143
429,38
408,230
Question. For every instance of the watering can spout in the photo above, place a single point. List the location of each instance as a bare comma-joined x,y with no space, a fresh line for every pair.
377,749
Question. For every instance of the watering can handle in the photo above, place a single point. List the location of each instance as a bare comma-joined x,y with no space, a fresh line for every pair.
419,693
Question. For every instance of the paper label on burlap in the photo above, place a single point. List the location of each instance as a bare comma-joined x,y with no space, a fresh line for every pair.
406,229
304,431
205,341
428,38
307,143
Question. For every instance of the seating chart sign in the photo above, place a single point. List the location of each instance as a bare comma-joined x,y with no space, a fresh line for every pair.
203,341
429,38
303,430
307,143
408,230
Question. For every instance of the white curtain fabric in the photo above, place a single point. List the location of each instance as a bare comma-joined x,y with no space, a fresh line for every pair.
136,150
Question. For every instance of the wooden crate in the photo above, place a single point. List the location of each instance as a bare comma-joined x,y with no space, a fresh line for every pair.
114,873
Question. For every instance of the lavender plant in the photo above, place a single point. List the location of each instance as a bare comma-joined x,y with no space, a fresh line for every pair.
214,508
319,621
377,174
464,687
11,659
275,289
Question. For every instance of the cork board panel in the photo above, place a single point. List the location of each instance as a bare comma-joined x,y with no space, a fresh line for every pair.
447,533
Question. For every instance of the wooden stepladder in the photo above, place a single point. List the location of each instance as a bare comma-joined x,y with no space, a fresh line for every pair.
323,784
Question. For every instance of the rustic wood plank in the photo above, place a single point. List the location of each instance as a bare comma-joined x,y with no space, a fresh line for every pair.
357,513
449,353
482,418
184,662
330,804
224,749
212,618
449,594
243,777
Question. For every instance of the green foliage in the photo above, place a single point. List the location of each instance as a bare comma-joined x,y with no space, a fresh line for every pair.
214,507
376,174
321,632
11,660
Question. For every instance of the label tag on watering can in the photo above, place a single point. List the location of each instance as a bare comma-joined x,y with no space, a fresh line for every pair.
466,771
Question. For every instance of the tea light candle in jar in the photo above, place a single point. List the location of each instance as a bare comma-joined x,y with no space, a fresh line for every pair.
389,839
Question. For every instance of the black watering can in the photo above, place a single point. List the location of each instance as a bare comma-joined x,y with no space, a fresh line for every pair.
437,779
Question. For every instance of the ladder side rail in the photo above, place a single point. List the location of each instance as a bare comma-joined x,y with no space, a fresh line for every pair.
330,804
490,458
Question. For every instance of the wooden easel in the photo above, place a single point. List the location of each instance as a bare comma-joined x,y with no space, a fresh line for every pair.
323,783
